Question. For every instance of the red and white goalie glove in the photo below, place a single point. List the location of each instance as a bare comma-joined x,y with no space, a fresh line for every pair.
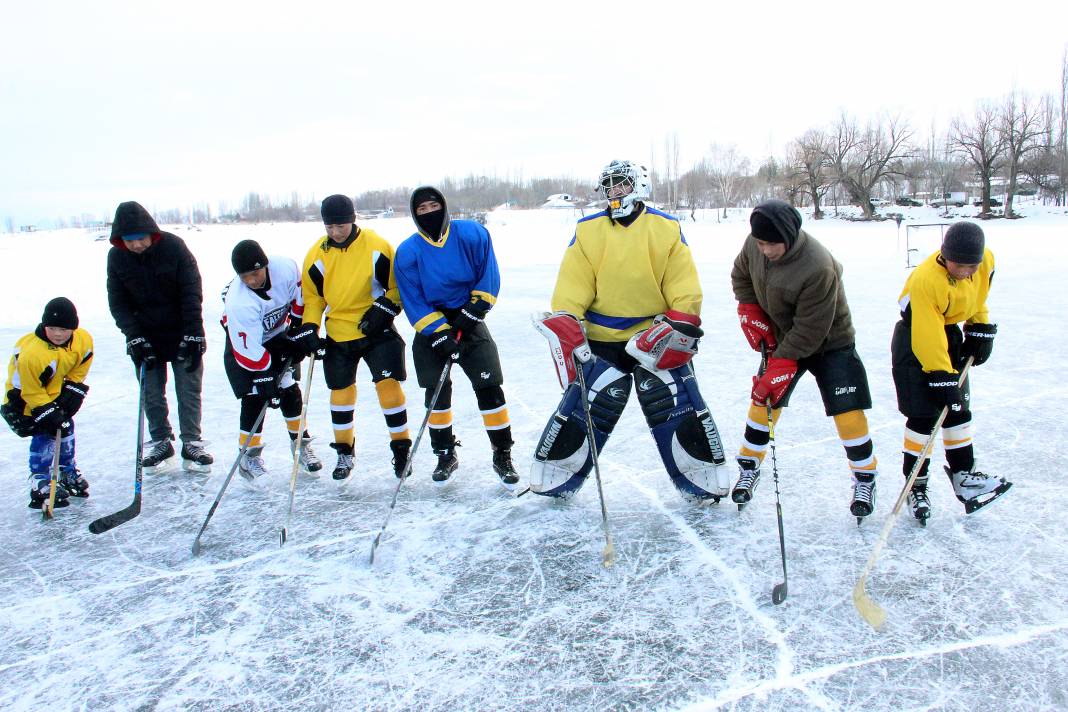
669,343
567,342
756,326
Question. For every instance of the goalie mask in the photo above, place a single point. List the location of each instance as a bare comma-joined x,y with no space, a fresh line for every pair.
624,184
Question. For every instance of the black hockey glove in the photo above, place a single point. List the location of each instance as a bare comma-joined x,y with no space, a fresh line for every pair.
48,418
444,344
191,352
71,397
944,389
471,315
141,352
978,342
307,340
379,316
265,385
283,349
12,411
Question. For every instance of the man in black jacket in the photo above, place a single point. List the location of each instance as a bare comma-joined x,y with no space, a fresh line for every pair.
155,296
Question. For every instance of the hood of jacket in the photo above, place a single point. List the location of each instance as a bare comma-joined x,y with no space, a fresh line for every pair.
421,195
132,219
785,218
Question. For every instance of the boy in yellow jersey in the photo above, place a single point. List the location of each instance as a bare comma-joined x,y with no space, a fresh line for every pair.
929,349
348,278
792,303
45,388
629,275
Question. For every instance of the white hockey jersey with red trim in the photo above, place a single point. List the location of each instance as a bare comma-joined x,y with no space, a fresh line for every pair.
252,318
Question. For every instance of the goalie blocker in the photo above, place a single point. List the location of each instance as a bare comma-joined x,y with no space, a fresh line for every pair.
682,426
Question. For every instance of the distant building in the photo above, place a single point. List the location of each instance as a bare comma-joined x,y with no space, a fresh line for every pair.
560,200
27,228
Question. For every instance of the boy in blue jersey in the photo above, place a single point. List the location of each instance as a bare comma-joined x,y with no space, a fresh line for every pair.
629,276
448,280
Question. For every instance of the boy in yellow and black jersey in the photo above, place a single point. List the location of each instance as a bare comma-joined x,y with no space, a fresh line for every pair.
929,349
45,388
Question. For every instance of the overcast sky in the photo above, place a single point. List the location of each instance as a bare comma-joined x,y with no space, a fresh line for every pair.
184,102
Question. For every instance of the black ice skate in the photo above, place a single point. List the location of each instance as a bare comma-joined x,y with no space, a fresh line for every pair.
400,449
39,489
863,502
308,461
748,479
343,469
156,456
919,504
976,489
502,465
447,464
195,458
74,483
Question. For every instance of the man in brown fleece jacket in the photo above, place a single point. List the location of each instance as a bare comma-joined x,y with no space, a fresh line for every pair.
791,302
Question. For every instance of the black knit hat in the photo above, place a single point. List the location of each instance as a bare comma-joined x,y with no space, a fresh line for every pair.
964,243
60,312
338,210
764,229
248,256
775,221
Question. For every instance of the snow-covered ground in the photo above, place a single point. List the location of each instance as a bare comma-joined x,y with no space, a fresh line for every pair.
482,601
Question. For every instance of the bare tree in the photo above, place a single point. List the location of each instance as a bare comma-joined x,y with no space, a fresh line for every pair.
1020,128
728,171
1062,139
861,158
980,142
809,164
1042,167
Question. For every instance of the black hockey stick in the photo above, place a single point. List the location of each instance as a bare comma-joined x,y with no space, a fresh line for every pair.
778,594
230,475
99,526
411,455
608,556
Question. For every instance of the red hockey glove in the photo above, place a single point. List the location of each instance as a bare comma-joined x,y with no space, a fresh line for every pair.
669,343
567,342
756,326
769,388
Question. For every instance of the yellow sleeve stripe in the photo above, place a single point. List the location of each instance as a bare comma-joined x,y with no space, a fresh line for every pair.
428,320
485,296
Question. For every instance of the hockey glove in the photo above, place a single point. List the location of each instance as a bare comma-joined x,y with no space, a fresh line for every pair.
444,343
978,342
944,389
71,397
307,340
379,316
471,315
669,343
191,352
141,353
756,326
770,387
567,342
265,385
12,411
48,418
282,348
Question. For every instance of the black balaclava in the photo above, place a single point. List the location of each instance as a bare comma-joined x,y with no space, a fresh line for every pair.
433,224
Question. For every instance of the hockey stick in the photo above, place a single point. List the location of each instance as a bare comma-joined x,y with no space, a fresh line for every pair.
306,392
46,511
110,521
778,594
608,556
868,609
411,455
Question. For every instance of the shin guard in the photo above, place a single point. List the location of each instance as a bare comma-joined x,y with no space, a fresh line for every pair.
562,458
684,431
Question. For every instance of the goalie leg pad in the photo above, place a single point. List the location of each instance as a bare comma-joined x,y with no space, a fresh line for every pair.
685,433
562,458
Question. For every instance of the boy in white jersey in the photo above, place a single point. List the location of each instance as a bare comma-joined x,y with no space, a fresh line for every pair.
261,305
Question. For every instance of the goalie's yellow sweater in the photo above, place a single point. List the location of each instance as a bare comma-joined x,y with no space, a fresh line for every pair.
932,299
619,277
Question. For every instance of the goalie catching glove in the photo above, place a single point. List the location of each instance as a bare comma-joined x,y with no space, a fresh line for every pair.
567,342
669,343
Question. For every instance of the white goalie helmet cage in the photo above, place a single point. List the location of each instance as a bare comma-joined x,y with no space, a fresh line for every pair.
622,184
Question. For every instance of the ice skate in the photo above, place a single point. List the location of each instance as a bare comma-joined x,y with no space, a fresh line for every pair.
343,469
39,489
195,458
863,502
502,465
748,478
919,504
401,450
74,483
308,461
157,456
251,465
976,489
447,464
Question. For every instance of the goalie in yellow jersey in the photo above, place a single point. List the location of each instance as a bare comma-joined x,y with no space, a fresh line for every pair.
628,275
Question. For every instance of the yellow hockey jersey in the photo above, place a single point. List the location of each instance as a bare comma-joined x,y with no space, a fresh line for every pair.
341,282
38,367
618,278
935,299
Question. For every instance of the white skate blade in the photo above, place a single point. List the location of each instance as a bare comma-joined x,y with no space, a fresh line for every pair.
193,466
162,467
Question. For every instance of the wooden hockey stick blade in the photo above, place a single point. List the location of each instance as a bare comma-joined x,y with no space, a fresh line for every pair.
868,609
608,556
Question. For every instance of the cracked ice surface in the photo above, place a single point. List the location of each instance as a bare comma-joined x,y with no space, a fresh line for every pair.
482,601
